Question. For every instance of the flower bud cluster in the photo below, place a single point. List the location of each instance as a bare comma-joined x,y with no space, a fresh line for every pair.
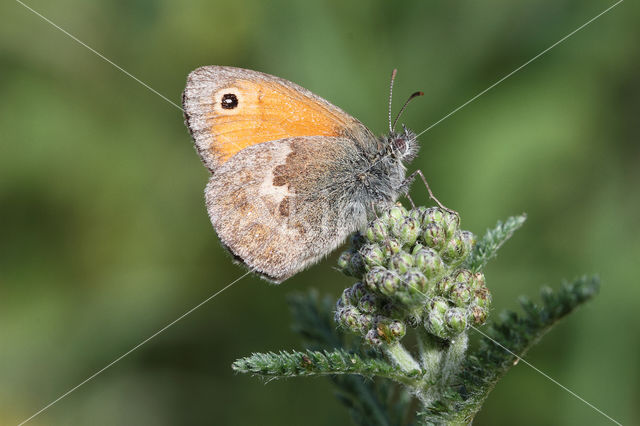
409,268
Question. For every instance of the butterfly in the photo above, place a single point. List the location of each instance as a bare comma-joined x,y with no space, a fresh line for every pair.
292,175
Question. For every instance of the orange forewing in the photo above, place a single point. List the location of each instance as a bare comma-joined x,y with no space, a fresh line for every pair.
266,111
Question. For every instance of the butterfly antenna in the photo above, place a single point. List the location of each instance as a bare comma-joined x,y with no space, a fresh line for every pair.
393,77
413,96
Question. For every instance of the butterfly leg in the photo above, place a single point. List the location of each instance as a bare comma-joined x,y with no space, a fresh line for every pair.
413,205
426,184
373,209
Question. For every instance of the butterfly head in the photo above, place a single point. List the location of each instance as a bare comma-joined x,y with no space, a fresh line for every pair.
403,146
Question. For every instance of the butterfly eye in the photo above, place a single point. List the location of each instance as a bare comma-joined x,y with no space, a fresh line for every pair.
229,101
400,144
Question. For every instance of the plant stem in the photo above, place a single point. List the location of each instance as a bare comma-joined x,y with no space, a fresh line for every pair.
430,348
453,359
441,362
402,358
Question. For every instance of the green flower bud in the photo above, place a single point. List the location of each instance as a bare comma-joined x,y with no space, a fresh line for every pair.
401,262
345,299
454,251
344,260
349,317
445,285
372,338
456,319
482,298
418,213
469,241
406,231
389,284
416,283
435,324
367,303
378,231
384,217
365,322
351,263
390,330
460,294
478,315
374,276
450,222
416,248
438,304
397,329
433,215
463,276
397,212
477,281
371,255
357,291
390,247
430,263
434,236
407,261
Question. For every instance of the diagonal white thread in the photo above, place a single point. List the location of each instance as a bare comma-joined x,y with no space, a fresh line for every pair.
518,358
102,56
519,68
132,349
107,60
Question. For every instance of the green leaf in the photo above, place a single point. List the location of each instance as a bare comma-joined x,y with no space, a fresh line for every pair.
488,363
370,402
315,363
488,246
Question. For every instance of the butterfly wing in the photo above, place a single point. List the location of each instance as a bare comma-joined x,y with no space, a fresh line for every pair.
229,109
282,205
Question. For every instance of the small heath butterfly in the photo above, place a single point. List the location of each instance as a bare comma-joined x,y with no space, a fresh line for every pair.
291,174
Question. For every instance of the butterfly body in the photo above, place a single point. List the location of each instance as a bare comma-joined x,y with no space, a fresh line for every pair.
291,175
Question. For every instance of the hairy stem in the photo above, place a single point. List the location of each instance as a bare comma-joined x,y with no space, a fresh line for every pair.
430,348
454,359
402,358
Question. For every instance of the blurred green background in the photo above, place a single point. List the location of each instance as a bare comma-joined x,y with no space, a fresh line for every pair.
104,237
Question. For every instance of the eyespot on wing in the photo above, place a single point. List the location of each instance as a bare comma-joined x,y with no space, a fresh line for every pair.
229,109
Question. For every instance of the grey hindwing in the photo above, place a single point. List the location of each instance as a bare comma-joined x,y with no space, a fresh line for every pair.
280,206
